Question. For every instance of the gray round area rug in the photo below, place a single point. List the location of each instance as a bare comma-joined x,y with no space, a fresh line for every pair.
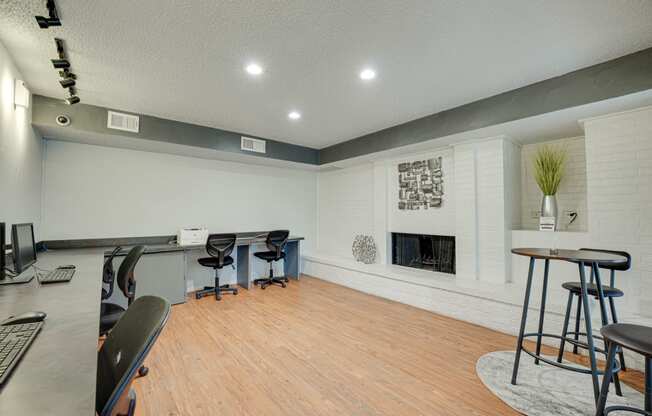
544,390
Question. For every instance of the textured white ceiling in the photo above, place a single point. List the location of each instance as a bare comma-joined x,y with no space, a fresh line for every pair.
184,59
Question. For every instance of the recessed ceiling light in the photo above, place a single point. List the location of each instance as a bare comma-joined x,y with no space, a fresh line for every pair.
367,74
254,69
294,115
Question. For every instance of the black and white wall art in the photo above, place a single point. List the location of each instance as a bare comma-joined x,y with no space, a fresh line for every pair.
421,184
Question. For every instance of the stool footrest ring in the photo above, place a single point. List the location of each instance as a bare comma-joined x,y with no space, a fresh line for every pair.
555,363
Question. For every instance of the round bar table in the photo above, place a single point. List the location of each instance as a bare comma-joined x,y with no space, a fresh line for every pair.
582,258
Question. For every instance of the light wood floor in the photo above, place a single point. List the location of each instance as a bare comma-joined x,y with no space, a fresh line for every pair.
316,348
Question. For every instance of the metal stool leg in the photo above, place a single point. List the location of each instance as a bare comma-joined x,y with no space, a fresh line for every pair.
614,319
526,304
605,318
606,381
589,333
564,331
648,384
578,318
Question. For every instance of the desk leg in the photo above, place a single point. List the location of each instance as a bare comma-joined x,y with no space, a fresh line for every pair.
589,333
542,311
526,304
242,268
292,260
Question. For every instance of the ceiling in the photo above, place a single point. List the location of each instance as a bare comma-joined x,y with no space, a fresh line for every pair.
185,60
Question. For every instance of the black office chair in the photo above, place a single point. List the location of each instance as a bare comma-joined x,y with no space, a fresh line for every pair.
110,313
123,352
276,241
108,274
218,247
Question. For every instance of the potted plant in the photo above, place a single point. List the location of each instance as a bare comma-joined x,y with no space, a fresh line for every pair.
549,162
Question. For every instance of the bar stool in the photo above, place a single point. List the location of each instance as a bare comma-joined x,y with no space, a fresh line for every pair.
609,292
638,339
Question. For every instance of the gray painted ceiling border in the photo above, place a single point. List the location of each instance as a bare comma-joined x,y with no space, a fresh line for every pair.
618,77
93,119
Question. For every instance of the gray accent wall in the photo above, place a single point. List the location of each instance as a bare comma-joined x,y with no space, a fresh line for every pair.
92,119
625,75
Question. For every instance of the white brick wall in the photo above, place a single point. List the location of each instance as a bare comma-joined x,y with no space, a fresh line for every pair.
483,221
619,173
345,208
572,191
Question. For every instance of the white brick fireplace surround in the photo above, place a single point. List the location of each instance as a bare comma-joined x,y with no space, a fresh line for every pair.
482,209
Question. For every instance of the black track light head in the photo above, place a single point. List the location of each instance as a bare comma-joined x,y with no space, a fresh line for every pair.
52,19
60,63
67,74
72,100
46,22
67,82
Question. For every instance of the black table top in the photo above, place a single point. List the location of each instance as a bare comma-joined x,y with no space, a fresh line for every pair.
57,374
575,256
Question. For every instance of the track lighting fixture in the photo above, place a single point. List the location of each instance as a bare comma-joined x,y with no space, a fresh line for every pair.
67,82
52,19
73,99
67,74
60,63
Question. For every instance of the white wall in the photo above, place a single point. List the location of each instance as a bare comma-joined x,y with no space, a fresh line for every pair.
20,155
434,221
346,208
93,191
572,191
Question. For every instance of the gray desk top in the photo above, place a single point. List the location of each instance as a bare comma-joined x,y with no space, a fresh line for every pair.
168,248
57,374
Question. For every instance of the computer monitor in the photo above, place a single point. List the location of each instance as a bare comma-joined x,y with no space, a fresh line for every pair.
3,250
23,246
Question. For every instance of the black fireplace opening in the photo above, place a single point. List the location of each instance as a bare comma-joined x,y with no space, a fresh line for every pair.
423,251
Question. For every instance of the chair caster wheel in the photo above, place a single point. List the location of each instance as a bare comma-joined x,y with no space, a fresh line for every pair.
143,371
235,292
218,298
197,296
263,287
283,285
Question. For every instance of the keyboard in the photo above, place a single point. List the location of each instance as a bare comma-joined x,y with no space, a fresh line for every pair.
57,276
14,341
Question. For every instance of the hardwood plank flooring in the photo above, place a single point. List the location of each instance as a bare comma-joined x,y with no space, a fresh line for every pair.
316,348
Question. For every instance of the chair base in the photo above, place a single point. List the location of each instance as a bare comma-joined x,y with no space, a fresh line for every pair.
268,281
216,290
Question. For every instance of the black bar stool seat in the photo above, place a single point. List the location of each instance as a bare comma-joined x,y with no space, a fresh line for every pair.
637,338
592,289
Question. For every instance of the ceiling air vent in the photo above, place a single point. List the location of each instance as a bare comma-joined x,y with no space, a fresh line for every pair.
252,145
121,121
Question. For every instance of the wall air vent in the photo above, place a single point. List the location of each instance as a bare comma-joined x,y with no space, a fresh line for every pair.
121,121
249,144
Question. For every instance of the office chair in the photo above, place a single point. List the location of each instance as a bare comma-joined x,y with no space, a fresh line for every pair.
110,313
108,274
276,241
218,247
122,354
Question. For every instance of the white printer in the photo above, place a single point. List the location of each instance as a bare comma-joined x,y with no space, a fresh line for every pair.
192,236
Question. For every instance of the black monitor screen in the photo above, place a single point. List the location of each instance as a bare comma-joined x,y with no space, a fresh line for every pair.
22,245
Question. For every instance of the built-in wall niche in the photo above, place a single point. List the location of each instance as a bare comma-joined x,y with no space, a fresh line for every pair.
572,195
423,251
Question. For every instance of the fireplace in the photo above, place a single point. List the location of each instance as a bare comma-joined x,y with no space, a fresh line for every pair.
422,251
